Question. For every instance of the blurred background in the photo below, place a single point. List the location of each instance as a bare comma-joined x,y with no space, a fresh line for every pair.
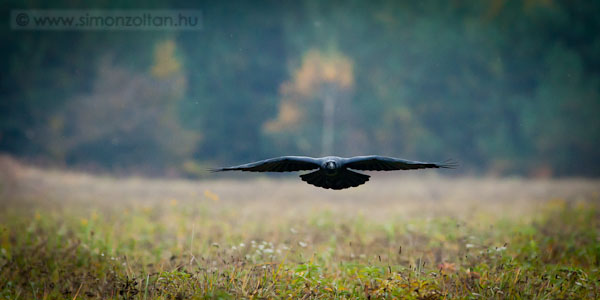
503,87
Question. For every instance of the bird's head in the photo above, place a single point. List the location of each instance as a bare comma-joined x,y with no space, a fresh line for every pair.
331,165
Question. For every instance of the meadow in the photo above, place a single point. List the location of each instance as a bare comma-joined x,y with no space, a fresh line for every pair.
414,235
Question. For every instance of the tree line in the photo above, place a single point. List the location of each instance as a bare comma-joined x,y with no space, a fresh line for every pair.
504,87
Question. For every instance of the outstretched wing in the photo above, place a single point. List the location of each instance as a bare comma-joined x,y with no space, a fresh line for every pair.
382,163
278,164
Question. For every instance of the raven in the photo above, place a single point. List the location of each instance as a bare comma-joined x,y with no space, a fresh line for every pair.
333,172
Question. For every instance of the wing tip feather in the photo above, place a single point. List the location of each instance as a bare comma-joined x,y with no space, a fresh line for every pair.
448,164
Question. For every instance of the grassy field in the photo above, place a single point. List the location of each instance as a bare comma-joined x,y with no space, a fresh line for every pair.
404,235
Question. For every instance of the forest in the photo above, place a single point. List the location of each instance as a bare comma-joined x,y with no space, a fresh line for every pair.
503,87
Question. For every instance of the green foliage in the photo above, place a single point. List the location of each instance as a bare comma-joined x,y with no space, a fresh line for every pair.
506,87
160,250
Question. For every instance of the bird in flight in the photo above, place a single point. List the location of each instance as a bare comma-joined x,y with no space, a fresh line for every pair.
334,172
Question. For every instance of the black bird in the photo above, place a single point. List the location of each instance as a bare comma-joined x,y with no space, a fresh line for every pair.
333,172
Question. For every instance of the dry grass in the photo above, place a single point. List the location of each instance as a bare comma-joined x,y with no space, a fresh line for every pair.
70,235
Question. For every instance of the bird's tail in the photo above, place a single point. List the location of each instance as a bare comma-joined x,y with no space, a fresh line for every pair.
343,180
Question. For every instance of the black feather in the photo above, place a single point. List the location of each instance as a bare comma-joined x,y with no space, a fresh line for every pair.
335,172
342,180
